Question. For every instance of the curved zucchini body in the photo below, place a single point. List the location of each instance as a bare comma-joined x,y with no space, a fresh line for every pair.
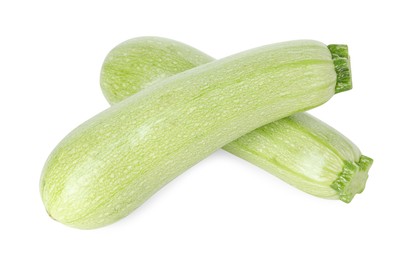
299,149
112,163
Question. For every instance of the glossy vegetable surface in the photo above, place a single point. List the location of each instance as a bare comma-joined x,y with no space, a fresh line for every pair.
112,163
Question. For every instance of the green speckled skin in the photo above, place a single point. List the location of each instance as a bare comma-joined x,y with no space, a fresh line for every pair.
112,163
137,64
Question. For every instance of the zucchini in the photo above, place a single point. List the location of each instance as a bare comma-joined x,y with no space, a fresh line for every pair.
112,163
299,149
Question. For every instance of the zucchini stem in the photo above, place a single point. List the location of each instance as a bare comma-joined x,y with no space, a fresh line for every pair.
352,179
341,60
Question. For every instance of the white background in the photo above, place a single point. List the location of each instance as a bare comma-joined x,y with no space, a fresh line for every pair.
223,208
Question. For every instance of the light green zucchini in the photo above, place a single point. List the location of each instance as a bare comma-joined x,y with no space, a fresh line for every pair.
112,163
299,149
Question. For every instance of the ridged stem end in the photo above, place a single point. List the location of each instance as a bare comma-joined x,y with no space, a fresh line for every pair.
341,60
352,179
